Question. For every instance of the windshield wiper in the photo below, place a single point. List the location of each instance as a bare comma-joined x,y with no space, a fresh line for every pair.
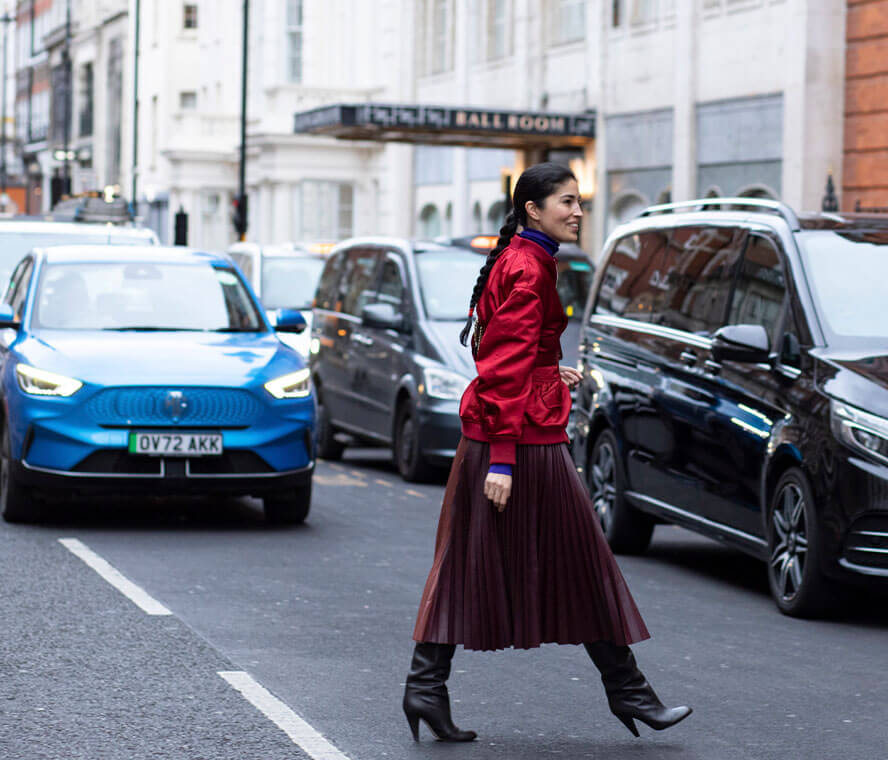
151,328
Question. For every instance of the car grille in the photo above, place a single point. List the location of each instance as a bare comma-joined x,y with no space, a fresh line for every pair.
194,407
867,542
117,462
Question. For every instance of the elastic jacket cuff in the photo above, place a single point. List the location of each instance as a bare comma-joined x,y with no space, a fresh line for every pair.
502,452
501,469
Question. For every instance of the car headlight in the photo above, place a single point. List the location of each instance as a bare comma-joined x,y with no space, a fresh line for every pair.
861,430
444,384
41,382
292,385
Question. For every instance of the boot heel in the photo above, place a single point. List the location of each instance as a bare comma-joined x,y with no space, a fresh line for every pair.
627,721
413,721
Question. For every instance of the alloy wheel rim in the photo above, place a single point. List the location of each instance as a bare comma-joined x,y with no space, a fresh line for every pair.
604,484
789,552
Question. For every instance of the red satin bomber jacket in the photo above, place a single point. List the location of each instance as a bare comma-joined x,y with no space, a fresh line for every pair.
518,395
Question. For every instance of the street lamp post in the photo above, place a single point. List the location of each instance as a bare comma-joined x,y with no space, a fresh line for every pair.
66,62
6,20
240,220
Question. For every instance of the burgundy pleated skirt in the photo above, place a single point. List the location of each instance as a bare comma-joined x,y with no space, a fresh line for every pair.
540,571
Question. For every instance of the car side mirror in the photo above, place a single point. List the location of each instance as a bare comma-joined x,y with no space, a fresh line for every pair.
290,321
382,315
7,317
741,343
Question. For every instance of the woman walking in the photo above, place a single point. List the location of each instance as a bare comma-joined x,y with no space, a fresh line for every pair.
520,558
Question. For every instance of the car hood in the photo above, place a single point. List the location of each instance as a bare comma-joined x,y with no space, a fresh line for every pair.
444,337
859,379
185,358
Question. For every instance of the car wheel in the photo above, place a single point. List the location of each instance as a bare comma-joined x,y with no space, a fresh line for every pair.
289,507
16,500
797,584
628,531
408,458
328,446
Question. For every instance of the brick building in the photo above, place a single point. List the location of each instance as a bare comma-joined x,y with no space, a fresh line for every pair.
865,171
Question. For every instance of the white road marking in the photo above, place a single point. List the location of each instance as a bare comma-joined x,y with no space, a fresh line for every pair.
124,585
300,732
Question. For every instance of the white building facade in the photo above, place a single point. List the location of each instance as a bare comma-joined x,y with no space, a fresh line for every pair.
688,98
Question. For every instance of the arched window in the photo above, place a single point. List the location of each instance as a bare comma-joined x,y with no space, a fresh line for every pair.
496,216
665,195
448,219
626,206
713,192
429,221
757,191
476,218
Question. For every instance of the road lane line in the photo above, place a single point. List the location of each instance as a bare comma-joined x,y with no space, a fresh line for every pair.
125,586
383,483
416,493
300,732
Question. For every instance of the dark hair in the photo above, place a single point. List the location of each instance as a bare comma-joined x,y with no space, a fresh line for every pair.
536,183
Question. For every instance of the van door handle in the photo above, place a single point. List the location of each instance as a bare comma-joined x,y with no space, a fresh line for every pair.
711,366
362,339
688,357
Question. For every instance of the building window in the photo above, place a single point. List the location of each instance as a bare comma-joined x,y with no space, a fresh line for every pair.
636,12
327,210
429,221
435,40
497,29
60,100
567,21
190,16
87,95
187,101
294,41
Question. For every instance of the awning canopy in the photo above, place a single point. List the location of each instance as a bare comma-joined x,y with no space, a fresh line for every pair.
447,125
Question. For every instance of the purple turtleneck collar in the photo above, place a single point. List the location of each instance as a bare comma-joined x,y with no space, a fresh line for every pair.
541,239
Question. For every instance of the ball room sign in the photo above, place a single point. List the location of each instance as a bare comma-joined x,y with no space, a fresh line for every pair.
447,125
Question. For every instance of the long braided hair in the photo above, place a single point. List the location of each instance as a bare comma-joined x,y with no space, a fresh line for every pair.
536,183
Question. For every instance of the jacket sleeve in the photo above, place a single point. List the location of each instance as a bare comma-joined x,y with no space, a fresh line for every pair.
505,361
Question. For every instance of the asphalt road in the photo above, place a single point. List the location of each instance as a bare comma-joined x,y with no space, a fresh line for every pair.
321,616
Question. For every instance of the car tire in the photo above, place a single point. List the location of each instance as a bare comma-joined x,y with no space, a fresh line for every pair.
628,530
797,584
328,447
289,507
16,500
406,453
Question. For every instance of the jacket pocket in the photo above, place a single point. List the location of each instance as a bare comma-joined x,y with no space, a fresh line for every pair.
548,404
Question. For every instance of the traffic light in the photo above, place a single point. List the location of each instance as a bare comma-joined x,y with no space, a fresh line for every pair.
239,214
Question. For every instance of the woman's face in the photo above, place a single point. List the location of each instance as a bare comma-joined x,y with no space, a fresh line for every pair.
559,216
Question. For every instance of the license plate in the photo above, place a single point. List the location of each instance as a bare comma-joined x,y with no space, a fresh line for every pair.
175,444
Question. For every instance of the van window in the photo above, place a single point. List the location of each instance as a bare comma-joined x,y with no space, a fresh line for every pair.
700,284
391,284
634,282
761,287
358,285
680,278
328,287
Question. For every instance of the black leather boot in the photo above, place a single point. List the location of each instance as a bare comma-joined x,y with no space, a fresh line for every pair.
629,694
425,695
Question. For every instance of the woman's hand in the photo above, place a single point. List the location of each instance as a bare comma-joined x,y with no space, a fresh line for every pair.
570,376
497,488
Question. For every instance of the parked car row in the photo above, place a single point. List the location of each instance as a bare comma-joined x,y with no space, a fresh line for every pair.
735,374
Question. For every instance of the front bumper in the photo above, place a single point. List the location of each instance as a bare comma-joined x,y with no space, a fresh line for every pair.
75,443
439,431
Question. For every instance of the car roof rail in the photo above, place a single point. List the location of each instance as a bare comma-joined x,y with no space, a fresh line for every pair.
736,204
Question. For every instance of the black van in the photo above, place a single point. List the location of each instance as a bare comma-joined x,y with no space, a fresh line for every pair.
735,360
385,357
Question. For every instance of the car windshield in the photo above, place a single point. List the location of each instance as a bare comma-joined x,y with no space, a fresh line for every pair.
847,271
574,279
289,282
446,279
144,296
14,245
